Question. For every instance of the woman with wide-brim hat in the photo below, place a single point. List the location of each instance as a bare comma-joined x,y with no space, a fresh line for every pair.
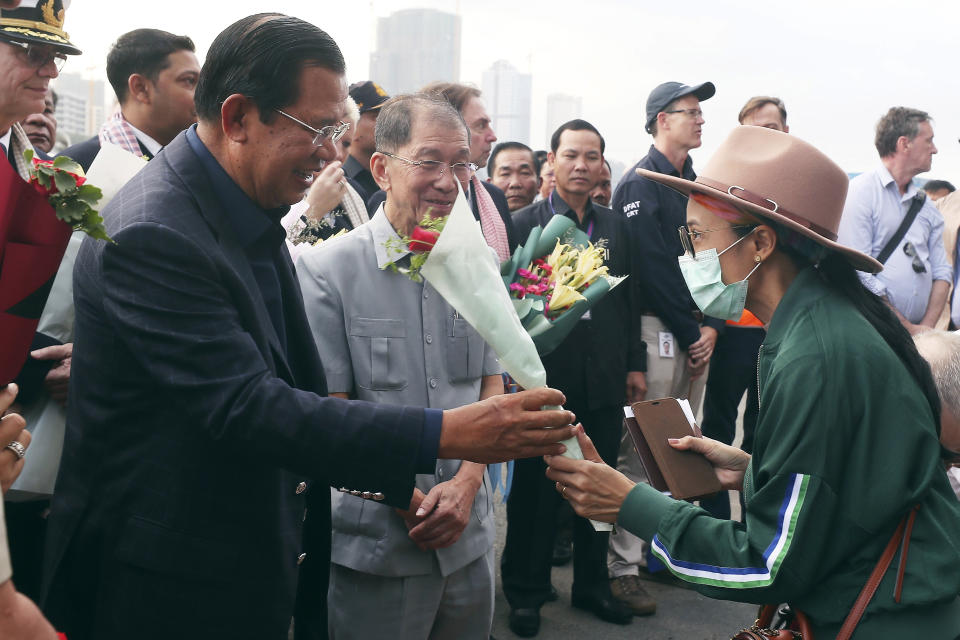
846,441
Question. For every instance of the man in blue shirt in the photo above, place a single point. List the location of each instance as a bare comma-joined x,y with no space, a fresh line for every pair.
916,277
679,344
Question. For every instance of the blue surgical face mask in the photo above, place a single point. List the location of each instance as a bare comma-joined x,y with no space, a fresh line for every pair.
704,279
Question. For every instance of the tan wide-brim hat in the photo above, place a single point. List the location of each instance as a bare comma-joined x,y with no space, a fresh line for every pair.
780,177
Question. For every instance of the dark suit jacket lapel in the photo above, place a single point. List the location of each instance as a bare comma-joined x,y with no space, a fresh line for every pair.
146,152
184,162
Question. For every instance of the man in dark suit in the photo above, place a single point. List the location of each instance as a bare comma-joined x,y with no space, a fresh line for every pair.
598,366
197,413
154,74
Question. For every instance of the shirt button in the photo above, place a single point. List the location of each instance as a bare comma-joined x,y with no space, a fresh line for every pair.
433,383
425,295
429,338
301,558
301,487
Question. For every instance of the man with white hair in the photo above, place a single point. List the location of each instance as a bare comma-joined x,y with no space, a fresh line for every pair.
942,350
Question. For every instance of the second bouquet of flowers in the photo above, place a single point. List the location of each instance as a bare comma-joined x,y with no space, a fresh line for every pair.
554,279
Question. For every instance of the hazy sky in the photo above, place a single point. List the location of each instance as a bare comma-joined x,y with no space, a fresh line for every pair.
837,65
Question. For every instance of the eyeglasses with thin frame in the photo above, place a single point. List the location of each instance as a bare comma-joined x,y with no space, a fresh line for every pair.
688,237
435,168
917,263
38,57
332,132
693,113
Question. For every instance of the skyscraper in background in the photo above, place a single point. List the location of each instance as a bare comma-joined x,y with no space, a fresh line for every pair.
81,107
415,47
506,93
562,108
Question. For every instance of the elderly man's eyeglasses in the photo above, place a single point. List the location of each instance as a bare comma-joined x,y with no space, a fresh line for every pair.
435,168
693,113
688,237
917,263
39,56
332,132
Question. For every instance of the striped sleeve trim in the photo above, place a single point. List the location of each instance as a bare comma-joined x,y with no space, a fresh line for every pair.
773,555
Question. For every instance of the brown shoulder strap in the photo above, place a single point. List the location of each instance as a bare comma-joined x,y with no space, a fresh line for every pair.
866,594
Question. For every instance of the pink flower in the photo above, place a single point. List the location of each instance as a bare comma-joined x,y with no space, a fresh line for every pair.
519,289
528,275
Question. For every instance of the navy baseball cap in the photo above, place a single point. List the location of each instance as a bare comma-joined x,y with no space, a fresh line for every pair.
368,95
667,92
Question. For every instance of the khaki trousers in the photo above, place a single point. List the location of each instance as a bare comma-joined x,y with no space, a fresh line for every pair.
666,378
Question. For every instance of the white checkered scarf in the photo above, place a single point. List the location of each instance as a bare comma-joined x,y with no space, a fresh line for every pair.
116,130
19,142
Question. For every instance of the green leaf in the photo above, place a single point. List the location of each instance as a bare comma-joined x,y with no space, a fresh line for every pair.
28,155
67,164
71,211
44,180
65,182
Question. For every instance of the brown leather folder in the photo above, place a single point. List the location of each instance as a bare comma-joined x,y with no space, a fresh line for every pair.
685,474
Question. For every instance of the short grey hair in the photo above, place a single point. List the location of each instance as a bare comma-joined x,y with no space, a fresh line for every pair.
941,349
395,122
898,121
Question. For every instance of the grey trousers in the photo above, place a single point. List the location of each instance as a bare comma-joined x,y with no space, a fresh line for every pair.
666,378
363,606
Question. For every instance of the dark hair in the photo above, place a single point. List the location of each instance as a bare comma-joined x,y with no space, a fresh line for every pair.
453,92
574,125
261,56
142,51
841,276
758,102
506,146
397,115
897,122
540,157
938,185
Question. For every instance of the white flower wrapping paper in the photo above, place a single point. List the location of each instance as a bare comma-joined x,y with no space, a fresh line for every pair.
462,268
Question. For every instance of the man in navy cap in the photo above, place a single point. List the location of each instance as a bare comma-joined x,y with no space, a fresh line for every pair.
369,97
679,341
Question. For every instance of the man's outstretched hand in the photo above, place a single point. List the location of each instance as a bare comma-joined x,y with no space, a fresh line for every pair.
506,427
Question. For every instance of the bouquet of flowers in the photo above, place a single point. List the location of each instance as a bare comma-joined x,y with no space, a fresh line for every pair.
73,200
37,219
554,279
452,255
419,243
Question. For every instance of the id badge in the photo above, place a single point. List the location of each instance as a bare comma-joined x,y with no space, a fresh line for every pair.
667,346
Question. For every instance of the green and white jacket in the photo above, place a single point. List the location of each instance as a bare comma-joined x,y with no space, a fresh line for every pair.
846,444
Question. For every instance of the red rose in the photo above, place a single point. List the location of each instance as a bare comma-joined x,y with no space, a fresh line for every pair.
422,240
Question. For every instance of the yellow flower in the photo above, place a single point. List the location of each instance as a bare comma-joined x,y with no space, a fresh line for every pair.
563,297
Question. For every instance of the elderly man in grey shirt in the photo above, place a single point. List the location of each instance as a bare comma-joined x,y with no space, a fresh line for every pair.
382,337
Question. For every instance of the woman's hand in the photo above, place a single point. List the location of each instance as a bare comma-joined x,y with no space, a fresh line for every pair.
729,463
592,488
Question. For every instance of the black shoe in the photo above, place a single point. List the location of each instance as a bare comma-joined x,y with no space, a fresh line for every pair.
553,596
525,622
562,552
605,608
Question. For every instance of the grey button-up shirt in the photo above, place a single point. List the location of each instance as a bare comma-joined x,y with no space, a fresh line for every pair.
384,338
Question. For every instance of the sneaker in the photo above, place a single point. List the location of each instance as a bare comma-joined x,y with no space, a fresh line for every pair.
629,591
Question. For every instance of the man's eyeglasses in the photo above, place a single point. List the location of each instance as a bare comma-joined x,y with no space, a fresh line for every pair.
688,237
693,113
39,56
917,263
332,132
435,168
